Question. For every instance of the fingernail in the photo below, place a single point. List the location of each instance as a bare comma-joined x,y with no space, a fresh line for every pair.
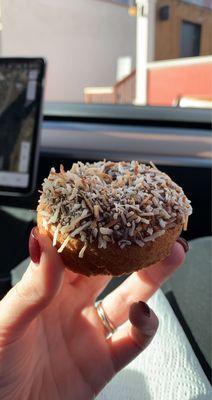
183,243
144,308
141,317
34,246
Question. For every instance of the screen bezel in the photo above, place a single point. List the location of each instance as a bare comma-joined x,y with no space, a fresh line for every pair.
34,154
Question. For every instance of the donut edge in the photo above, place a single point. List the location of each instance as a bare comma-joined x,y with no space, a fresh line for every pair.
113,260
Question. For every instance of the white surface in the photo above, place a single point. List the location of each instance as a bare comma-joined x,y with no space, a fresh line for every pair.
167,370
124,67
24,156
80,39
14,179
178,62
145,46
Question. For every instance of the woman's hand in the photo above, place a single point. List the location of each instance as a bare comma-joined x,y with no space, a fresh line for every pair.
52,341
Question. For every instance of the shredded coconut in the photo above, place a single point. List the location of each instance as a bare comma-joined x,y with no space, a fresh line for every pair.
107,202
106,231
154,236
64,244
56,235
45,224
81,253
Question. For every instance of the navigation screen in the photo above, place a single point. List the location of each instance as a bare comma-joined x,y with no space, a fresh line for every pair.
18,111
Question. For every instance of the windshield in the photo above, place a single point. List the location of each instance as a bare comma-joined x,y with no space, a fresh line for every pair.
141,52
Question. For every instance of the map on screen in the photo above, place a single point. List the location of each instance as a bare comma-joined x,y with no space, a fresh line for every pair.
18,105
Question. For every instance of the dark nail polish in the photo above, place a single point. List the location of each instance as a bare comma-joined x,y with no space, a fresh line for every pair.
144,308
142,318
183,243
34,246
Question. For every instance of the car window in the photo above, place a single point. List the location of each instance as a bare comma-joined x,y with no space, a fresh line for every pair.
155,53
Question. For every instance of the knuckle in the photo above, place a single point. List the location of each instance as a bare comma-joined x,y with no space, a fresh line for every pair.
125,297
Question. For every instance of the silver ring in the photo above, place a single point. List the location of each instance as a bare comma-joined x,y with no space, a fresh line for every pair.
109,326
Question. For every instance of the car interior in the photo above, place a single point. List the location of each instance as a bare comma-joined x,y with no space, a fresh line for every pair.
91,133
37,133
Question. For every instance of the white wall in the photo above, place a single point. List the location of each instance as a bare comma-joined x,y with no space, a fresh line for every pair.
146,15
81,40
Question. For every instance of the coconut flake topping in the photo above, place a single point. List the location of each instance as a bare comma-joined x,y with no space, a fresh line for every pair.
107,202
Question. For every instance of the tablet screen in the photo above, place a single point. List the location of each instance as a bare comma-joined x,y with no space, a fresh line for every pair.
21,82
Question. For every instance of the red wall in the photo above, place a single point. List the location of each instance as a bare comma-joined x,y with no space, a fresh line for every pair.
165,84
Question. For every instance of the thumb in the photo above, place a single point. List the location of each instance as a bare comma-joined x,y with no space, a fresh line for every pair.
38,286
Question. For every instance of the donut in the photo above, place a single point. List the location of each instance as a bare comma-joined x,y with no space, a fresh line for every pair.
111,217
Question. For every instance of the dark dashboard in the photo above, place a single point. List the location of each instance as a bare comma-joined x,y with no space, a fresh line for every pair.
177,140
